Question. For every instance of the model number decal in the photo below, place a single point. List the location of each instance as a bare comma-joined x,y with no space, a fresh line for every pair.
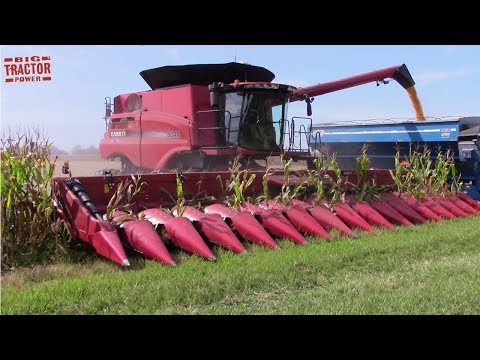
170,133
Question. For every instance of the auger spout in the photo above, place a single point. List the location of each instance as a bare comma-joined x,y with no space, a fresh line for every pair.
399,73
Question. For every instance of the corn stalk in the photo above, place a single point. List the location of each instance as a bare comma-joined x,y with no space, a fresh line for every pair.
123,197
337,189
419,170
180,200
362,163
456,185
400,177
318,177
237,184
288,192
265,196
30,232
441,171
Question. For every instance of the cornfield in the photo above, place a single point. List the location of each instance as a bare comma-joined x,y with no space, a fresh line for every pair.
29,231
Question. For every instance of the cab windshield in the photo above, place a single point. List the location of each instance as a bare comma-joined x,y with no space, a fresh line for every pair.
256,119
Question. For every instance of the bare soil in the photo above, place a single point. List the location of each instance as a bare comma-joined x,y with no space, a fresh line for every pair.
90,165
84,165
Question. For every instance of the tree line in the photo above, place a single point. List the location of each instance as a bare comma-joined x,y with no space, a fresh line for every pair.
76,150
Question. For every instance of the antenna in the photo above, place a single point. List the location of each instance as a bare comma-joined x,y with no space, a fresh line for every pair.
235,55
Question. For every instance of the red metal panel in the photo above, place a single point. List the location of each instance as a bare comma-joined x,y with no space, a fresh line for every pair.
122,137
214,228
351,81
275,222
151,100
98,233
163,136
204,137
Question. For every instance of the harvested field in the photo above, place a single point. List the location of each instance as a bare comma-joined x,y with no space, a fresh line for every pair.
88,165
84,165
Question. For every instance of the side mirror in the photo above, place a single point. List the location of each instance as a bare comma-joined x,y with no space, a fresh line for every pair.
309,101
108,107
108,111
66,168
214,99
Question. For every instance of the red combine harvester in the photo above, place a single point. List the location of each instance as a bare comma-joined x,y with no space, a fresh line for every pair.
200,117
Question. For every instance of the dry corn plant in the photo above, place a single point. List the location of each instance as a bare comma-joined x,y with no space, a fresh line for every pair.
365,188
265,195
287,191
362,163
180,200
399,177
418,172
30,232
122,199
443,172
319,177
456,185
236,186
338,183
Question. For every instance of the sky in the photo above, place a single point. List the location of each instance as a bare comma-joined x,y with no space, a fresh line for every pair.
70,107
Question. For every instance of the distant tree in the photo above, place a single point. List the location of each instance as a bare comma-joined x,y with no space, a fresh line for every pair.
56,151
91,150
79,150
76,150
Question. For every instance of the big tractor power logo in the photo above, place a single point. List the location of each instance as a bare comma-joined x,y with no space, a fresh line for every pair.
23,69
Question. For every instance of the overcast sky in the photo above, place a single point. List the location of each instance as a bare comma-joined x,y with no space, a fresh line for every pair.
70,107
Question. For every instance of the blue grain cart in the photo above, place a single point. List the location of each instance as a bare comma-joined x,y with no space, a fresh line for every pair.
384,137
